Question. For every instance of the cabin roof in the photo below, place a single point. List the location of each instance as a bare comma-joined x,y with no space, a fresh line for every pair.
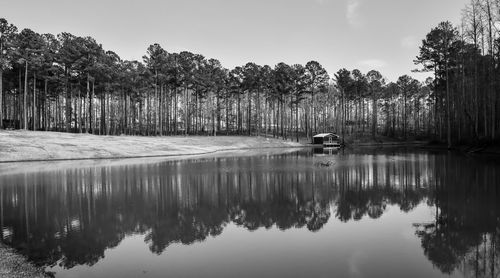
322,135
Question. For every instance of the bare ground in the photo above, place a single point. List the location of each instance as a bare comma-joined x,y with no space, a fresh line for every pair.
38,145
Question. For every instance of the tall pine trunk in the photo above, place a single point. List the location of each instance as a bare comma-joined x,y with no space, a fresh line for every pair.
34,101
47,103
156,103
1,98
249,114
297,118
102,128
240,122
25,100
160,110
68,101
448,114
186,111
375,115
88,119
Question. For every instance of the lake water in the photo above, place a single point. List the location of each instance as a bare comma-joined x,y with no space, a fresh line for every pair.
369,213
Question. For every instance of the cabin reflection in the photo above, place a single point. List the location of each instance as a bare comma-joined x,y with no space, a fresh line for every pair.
71,217
326,150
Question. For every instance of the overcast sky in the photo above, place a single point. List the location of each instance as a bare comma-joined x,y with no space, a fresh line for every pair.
364,34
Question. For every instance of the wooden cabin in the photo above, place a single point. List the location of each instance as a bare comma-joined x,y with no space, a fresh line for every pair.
327,140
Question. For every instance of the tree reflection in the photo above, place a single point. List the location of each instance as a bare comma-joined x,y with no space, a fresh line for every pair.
464,234
70,217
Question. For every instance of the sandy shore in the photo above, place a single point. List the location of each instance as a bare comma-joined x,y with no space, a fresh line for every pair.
41,146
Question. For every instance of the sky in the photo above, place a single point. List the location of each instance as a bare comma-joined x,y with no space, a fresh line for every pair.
354,34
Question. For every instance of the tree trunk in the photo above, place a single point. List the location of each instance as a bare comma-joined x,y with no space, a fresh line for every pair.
404,114
311,130
175,110
266,116
34,101
1,98
290,125
88,122
343,116
218,111
102,128
259,116
156,103
448,116
91,108
25,108
214,108
186,111
160,102
108,114
79,111
68,102
169,110
140,117
227,113
240,123
282,113
249,113
297,118
374,117
47,108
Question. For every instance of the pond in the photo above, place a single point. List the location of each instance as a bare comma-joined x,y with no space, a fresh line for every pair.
364,213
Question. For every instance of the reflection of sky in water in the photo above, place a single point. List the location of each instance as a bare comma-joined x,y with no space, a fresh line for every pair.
269,216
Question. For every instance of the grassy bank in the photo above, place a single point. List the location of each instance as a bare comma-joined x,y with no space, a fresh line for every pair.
13,265
38,145
367,140
479,148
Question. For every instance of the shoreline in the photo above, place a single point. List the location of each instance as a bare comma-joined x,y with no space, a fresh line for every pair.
472,149
390,144
14,265
39,146
179,155
23,167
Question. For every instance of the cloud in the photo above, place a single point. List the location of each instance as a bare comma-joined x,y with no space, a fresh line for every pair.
410,42
352,13
371,64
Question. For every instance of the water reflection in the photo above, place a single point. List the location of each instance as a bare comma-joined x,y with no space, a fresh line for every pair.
465,230
70,217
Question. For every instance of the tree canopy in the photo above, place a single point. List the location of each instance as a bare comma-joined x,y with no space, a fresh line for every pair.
70,83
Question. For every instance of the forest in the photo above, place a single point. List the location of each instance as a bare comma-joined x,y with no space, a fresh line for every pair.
69,83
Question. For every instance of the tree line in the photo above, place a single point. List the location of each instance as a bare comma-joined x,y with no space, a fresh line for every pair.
465,60
70,83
